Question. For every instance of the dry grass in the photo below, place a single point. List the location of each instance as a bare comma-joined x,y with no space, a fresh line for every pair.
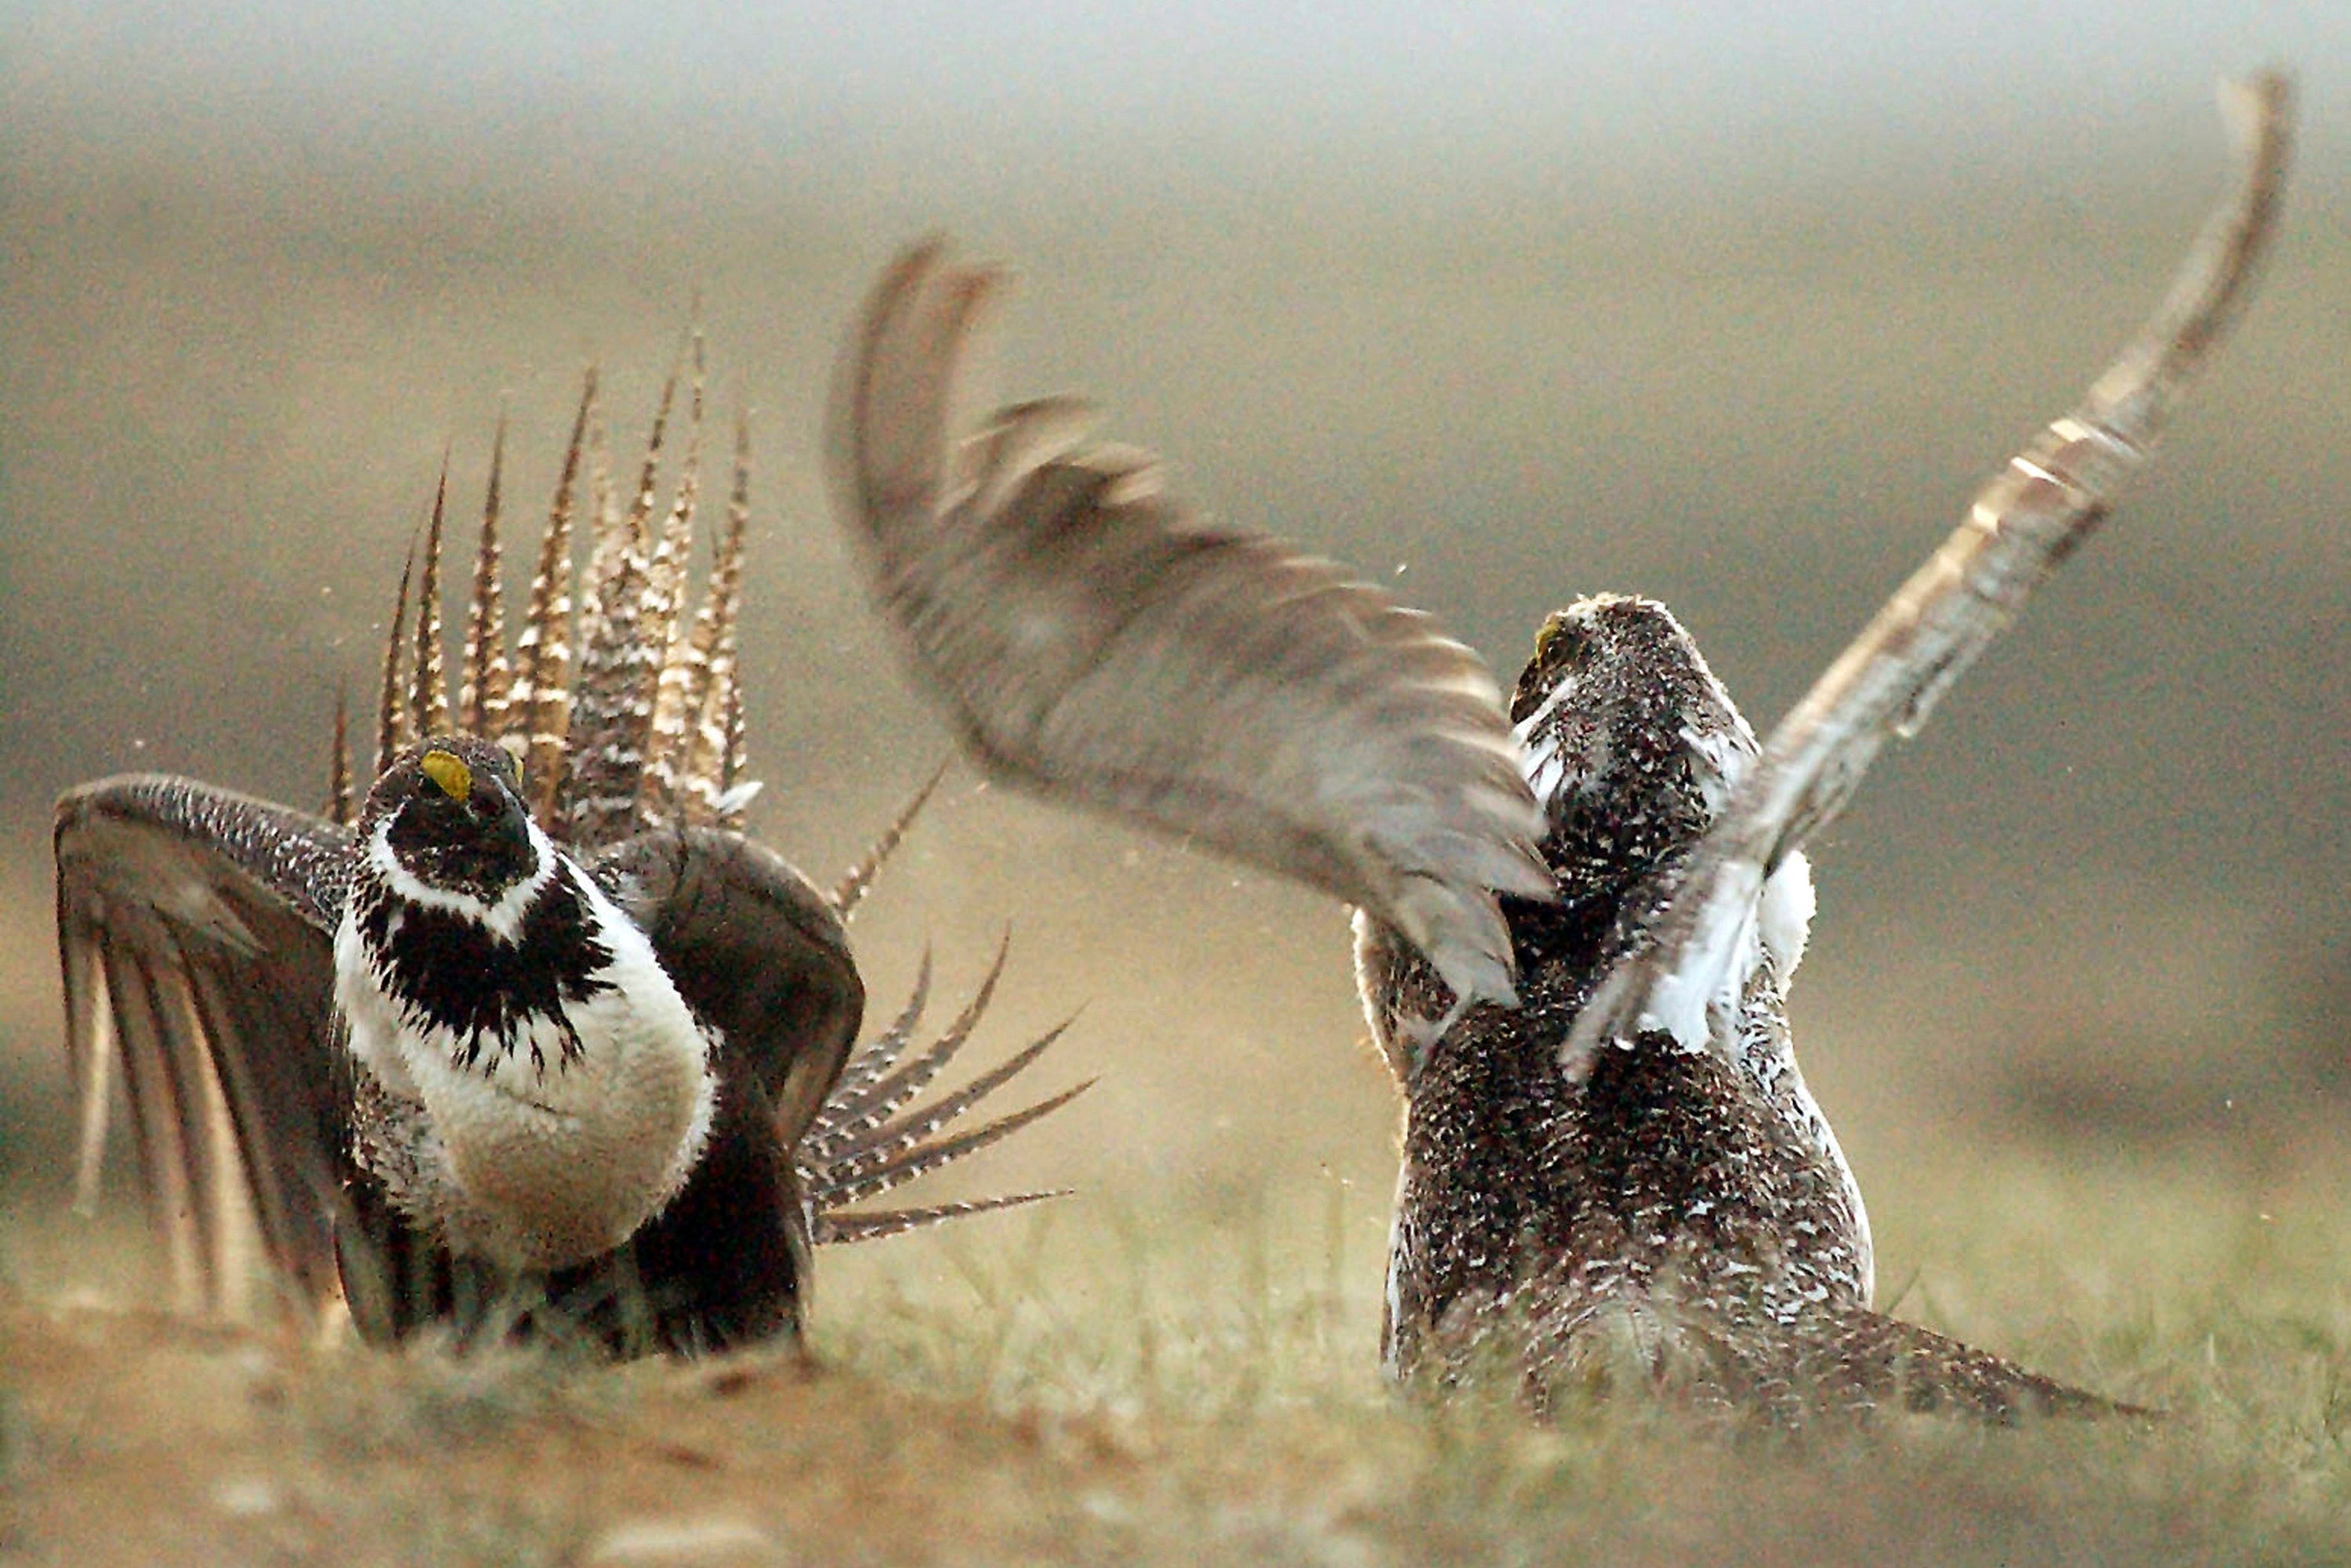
1191,1382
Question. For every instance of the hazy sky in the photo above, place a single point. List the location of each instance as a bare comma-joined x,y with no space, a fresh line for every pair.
1492,83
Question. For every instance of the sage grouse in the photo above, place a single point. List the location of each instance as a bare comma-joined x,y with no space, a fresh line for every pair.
1626,1171
542,1048
1629,1173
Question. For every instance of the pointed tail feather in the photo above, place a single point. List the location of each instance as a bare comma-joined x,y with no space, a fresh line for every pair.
851,890
428,696
874,1224
668,742
540,703
612,704
482,696
1865,1360
342,805
1831,1361
395,732
710,656
848,1118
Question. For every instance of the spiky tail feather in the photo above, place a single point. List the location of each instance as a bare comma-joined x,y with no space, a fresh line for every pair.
482,696
850,891
541,703
871,1137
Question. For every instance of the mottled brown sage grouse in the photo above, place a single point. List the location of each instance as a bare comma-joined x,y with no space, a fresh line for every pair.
1628,1174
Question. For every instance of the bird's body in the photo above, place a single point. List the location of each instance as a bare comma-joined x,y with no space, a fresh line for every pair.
1628,1178
1685,1198
537,1087
561,1049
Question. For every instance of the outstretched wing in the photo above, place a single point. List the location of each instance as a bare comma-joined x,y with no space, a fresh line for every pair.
195,927
1091,642
755,949
2021,526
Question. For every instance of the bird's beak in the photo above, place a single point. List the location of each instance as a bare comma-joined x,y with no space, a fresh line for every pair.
456,780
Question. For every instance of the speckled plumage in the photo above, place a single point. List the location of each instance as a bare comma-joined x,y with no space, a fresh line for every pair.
1687,1199
1627,1179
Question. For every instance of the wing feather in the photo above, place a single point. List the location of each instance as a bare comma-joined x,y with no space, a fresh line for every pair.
755,949
2023,525
1091,642
195,929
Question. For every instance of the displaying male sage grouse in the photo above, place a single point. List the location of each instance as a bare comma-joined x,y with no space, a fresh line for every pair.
1627,1173
547,1047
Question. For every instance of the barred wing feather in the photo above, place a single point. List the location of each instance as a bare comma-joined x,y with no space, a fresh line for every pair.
1092,643
2021,526
195,929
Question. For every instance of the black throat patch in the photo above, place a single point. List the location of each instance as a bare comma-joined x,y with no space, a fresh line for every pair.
444,969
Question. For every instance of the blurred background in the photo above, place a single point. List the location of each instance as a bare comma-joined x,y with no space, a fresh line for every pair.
1498,303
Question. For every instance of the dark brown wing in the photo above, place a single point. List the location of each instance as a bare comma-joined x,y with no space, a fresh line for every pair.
196,930
1091,642
755,949
2021,526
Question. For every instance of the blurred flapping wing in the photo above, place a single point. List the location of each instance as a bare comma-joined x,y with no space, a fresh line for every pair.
1092,643
196,929
2023,525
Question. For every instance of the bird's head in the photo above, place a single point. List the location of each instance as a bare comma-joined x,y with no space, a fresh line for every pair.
452,813
1629,742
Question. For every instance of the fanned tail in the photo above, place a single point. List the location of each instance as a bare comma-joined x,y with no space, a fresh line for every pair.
871,1137
624,716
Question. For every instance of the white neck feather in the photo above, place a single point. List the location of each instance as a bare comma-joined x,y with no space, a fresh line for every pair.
503,918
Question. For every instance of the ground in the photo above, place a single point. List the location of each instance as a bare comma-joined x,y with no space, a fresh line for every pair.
1120,1382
